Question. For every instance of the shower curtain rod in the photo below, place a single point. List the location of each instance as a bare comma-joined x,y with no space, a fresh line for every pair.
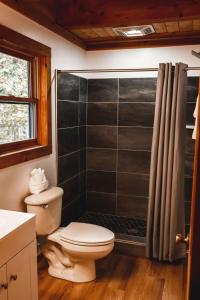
121,70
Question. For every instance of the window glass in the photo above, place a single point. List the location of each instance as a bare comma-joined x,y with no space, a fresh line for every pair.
14,76
16,122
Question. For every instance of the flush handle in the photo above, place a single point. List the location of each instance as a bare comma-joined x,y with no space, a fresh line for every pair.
45,206
13,277
181,239
4,286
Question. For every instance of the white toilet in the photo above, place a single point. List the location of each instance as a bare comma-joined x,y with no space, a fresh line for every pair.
72,250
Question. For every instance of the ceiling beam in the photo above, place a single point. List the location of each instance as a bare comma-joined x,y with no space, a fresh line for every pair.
83,13
158,40
41,14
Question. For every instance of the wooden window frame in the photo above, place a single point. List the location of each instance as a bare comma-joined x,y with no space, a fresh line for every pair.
39,55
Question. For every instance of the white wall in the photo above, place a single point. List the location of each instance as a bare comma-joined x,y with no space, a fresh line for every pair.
65,55
141,58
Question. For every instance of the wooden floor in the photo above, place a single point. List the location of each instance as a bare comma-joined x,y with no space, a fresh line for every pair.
119,277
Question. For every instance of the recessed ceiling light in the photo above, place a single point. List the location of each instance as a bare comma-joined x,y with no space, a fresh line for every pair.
132,31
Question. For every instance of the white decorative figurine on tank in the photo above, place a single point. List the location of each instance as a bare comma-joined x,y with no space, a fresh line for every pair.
38,181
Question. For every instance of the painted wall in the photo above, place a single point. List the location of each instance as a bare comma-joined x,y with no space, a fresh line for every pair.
65,55
141,58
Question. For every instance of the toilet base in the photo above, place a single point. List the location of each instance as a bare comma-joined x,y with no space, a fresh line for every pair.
80,272
64,266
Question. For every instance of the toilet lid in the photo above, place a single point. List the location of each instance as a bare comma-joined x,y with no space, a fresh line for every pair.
86,234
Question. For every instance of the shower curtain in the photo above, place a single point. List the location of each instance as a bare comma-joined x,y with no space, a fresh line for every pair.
166,189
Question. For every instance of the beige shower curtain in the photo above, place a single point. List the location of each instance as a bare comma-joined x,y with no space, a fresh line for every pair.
166,190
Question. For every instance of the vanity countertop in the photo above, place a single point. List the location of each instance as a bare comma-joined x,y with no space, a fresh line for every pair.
17,229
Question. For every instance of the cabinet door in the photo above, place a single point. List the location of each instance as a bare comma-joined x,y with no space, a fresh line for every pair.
3,283
22,276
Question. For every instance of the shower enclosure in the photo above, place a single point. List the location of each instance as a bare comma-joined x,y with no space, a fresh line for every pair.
104,130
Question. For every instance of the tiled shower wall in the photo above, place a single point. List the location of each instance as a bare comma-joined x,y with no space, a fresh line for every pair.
71,135
120,115
119,134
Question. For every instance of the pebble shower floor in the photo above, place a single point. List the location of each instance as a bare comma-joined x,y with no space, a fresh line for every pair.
123,227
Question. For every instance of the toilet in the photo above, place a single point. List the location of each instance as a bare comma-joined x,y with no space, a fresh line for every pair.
71,251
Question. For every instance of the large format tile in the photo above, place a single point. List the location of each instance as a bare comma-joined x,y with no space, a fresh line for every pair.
71,189
68,140
102,90
102,114
187,212
99,181
82,137
189,142
190,107
82,158
101,202
102,136
134,161
132,206
192,89
67,113
68,166
82,182
137,89
135,138
81,113
136,114
101,159
133,184
72,211
189,163
188,188
83,89
67,87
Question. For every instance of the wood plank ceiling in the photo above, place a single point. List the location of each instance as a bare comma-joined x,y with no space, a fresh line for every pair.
90,23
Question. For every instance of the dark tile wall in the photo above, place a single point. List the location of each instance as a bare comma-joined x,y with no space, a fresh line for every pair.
119,136
192,92
71,135
107,124
120,119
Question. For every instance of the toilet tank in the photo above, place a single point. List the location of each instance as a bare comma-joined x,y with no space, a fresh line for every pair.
47,206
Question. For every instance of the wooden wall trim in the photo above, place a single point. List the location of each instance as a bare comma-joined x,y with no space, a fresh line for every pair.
158,40
42,98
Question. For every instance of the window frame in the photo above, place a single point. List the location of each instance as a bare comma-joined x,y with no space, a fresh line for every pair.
39,56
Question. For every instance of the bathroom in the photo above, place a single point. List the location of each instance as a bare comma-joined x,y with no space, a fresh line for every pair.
99,136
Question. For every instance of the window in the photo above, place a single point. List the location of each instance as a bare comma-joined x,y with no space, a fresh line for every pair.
17,103
25,108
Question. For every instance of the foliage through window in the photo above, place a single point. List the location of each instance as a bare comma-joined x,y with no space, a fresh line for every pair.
16,116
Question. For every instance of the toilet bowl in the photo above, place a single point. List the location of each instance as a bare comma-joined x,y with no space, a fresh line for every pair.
71,251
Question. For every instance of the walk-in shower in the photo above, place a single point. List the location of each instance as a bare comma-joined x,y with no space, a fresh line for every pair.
104,128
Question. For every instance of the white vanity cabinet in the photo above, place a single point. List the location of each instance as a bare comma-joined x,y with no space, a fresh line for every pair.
18,256
3,283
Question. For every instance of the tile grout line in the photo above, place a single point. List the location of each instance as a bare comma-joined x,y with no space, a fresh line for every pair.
70,153
119,172
121,194
70,178
120,149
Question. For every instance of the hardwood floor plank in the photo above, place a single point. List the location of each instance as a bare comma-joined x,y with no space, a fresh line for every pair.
119,277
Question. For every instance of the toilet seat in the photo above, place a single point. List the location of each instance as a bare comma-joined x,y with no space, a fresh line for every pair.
83,234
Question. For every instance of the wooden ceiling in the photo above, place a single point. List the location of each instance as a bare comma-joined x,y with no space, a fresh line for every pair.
90,23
